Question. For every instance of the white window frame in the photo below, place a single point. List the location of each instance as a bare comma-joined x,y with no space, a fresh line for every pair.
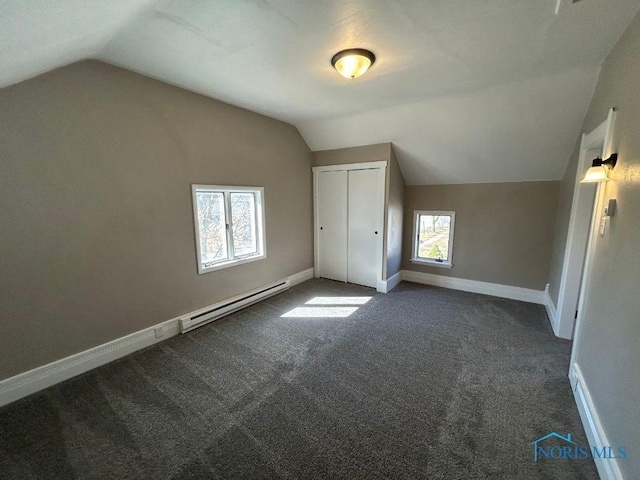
260,223
416,243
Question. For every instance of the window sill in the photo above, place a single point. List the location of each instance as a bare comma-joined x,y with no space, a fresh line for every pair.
232,263
431,263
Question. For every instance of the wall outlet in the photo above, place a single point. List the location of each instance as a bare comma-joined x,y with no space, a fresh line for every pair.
159,332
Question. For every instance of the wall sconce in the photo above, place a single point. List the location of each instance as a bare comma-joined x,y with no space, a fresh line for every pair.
599,169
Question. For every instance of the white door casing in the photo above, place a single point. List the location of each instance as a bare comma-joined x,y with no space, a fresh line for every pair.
580,240
326,250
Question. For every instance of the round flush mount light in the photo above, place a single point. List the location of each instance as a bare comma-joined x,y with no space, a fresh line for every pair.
353,62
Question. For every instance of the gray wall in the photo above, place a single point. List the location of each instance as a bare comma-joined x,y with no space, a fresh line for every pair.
366,153
394,193
503,231
608,339
567,185
395,209
97,236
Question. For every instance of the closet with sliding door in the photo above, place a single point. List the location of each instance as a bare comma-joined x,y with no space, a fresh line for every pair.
349,203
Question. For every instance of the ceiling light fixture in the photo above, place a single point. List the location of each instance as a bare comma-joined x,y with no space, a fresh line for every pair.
599,169
353,62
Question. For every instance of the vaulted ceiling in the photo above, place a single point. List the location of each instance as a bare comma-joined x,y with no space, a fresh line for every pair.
467,90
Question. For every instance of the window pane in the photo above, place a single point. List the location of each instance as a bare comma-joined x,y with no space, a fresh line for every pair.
433,237
213,227
243,216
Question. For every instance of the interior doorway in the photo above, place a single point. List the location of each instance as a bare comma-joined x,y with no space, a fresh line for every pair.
584,211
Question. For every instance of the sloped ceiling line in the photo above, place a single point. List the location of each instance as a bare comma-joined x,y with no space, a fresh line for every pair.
467,91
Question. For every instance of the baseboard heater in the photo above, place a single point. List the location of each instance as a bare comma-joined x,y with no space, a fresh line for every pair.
214,312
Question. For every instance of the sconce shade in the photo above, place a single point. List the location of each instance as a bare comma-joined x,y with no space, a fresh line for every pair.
353,62
595,174
599,171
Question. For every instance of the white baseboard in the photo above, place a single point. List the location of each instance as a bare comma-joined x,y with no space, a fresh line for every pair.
494,289
551,310
607,468
21,385
24,384
300,277
385,286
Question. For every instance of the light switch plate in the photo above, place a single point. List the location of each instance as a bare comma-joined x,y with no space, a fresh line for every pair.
610,207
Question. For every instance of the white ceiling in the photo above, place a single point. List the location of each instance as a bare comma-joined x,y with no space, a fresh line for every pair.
467,90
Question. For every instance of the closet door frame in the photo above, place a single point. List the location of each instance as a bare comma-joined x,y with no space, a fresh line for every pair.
382,166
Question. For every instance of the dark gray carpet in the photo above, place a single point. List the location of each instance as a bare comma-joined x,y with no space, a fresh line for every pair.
419,383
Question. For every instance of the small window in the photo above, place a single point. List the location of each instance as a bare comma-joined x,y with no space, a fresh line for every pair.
229,224
433,238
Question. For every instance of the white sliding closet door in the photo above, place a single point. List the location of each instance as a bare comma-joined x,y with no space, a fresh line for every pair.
365,226
332,223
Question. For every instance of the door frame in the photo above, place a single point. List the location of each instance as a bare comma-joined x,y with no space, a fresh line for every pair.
579,250
382,166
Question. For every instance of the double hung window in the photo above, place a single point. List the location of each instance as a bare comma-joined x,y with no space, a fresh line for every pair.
229,225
